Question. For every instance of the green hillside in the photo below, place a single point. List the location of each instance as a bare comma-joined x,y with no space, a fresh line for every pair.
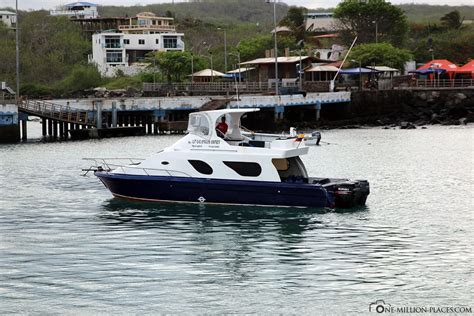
422,13
209,11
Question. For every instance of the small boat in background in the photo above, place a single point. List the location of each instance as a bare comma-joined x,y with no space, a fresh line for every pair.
228,168
312,138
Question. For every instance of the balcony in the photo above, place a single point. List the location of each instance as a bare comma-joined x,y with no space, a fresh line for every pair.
74,13
112,45
163,28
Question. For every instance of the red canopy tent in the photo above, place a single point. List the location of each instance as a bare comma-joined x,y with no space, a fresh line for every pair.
467,68
439,65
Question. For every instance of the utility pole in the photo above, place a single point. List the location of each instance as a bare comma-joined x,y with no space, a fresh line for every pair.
225,48
17,46
276,46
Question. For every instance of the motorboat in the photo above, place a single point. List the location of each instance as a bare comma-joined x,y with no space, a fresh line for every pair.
312,138
206,167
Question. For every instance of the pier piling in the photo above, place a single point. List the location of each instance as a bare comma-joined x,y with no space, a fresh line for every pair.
24,135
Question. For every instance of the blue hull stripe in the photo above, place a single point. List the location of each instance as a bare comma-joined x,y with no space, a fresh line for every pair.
181,189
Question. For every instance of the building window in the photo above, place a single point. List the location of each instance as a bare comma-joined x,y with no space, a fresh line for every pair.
126,41
157,41
114,57
201,166
245,169
112,42
170,42
141,42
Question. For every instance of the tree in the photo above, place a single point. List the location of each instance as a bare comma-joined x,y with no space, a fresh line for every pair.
174,65
7,55
295,20
452,20
371,20
50,47
256,46
80,78
380,54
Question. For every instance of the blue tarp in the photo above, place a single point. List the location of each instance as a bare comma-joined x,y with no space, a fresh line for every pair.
429,71
356,71
81,4
232,76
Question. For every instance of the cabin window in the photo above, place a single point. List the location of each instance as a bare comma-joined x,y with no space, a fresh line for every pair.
141,42
290,169
281,164
165,163
245,169
201,166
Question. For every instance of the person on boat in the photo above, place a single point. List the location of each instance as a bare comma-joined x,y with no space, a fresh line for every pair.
222,127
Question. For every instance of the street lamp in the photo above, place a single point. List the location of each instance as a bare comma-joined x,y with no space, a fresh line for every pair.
360,72
236,85
154,69
192,67
431,50
276,45
376,31
210,57
212,70
238,60
225,48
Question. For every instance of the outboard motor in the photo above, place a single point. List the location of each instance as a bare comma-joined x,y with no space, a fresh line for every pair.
350,193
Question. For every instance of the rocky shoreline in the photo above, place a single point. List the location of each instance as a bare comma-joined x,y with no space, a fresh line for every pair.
409,109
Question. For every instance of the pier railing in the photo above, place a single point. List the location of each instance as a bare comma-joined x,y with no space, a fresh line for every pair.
242,87
55,111
444,83
409,82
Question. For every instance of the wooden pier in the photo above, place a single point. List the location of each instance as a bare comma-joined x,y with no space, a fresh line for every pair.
61,122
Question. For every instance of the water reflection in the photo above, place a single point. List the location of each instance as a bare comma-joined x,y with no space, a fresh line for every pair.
146,215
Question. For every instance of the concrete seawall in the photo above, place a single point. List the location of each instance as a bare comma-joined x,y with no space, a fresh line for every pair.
445,106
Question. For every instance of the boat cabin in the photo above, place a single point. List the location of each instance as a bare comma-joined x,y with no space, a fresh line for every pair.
231,155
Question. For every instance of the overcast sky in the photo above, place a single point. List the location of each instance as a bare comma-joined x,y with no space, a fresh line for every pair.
49,4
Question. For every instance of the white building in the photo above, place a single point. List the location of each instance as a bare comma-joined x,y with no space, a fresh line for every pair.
77,10
335,53
320,22
8,18
126,49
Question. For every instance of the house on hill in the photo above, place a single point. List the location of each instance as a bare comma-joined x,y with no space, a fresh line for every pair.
125,49
320,22
8,18
77,10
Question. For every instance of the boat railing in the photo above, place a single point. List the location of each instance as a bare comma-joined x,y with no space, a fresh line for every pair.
107,164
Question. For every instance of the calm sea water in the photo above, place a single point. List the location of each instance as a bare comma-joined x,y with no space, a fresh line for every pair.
67,246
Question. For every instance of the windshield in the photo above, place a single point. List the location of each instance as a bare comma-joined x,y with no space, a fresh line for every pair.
198,124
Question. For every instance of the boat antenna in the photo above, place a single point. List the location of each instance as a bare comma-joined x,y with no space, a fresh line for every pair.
342,64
